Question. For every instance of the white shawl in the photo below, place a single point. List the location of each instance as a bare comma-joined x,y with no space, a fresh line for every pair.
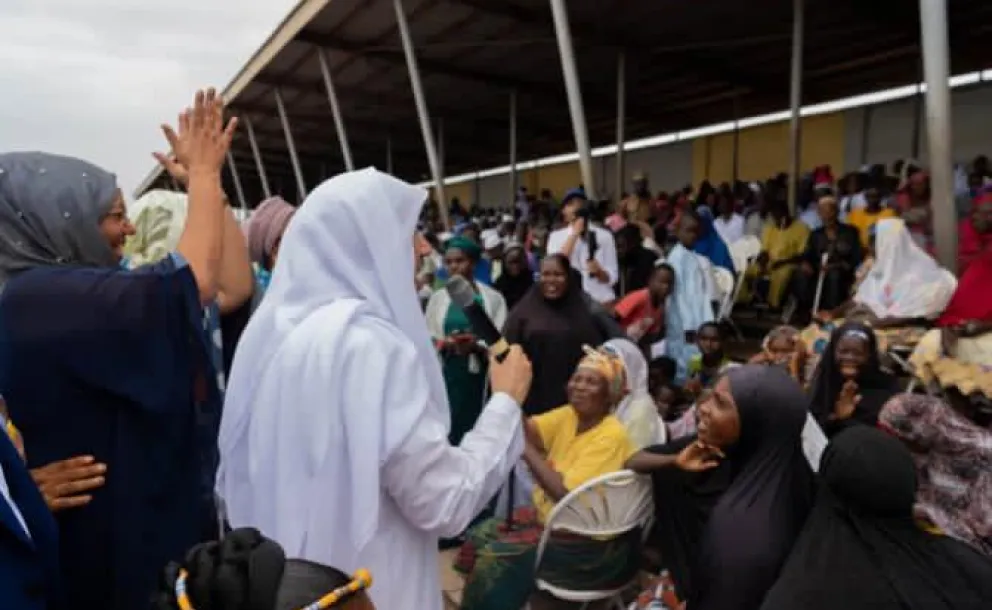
905,281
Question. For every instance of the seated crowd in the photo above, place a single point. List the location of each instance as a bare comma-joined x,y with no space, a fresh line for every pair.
806,477
724,445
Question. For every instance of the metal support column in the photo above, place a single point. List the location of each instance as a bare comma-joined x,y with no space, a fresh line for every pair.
389,156
236,179
332,99
421,102
440,147
737,141
301,186
259,164
795,101
621,125
514,179
574,90
936,69
917,133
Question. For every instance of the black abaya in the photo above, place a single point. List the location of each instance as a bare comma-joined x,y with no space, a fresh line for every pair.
862,550
552,334
728,530
875,386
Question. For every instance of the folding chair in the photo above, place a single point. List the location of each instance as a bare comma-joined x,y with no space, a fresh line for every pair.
606,506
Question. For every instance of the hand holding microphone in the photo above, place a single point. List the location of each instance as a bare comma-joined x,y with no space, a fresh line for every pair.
512,375
509,369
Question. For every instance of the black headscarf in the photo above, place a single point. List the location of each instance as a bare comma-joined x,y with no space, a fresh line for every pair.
514,287
862,550
728,531
552,334
875,386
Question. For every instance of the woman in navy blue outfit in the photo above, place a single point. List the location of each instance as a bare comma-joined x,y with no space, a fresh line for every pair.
98,361
29,569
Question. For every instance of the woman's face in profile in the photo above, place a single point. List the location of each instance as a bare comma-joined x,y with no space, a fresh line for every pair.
851,354
554,279
116,227
719,420
588,393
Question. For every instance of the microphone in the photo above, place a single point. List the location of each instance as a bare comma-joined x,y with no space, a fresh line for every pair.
463,295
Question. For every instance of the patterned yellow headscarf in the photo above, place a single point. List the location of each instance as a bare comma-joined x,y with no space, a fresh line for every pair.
610,366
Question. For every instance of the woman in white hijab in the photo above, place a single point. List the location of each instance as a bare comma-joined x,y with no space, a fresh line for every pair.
905,283
334,434
637,410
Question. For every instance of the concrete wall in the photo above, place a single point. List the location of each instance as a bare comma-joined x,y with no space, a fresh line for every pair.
836,139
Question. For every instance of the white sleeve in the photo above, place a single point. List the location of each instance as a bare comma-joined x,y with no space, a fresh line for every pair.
499,312
606,255
556,241
440,488
436,310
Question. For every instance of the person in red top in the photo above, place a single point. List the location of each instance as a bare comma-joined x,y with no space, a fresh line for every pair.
975,232
642,313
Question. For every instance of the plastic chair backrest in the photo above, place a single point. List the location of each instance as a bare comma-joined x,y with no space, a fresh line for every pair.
740,254
608,505
750,245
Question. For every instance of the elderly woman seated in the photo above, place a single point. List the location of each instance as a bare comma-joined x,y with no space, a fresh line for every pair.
565,448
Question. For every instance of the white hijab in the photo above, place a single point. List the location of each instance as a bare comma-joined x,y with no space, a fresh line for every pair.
637,410
300,452
905,281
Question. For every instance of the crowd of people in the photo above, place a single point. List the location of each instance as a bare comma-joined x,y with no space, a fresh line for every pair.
206,415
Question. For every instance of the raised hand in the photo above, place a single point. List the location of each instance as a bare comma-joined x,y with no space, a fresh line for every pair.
204,145
847,402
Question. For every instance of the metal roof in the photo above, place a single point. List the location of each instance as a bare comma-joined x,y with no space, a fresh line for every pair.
689,64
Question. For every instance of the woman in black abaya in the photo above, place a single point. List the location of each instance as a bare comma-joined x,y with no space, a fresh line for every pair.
861,548
730,502
552,322
849,385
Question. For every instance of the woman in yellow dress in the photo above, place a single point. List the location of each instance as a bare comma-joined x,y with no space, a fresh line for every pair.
782,244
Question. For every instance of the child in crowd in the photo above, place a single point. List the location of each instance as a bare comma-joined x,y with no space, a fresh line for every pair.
642,312
661,372
711,362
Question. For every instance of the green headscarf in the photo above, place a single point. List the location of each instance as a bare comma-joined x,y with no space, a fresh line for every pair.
466,245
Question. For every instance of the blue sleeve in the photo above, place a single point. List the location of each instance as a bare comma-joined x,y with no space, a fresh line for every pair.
137,335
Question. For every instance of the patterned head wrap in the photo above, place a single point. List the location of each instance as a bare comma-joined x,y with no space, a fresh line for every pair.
609,364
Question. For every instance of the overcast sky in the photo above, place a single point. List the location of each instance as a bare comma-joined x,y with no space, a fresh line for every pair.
95,78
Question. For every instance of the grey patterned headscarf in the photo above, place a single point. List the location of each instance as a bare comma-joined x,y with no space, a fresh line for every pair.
50,212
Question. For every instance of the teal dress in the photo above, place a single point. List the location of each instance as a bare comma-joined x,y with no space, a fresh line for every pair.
464,376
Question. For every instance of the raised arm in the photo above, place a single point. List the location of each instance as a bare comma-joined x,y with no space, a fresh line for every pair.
201,146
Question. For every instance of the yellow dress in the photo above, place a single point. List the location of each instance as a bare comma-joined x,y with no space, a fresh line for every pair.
863,221
780,244
579,457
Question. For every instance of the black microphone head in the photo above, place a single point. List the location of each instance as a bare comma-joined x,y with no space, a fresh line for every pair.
460,290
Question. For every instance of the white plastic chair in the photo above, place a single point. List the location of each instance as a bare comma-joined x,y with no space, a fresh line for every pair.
749,245
606,506
743,252
728,288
